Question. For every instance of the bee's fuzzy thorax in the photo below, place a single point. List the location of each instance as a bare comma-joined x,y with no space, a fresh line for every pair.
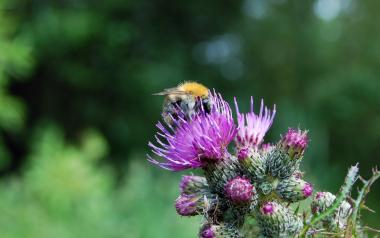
195,89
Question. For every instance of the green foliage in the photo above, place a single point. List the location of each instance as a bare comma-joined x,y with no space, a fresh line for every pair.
65,193
15,60
61,194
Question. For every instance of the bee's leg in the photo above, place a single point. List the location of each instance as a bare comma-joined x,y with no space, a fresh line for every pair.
169,111
206,103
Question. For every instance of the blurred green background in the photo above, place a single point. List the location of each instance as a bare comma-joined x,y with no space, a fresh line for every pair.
77,111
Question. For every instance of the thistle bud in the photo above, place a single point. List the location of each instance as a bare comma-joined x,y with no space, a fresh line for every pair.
266,148
239,190
243,154
266,187
294,189
322,201
279,164
191,184
284,159
276,220
219,173
295,143
298,174
254,164
342,214
195,204
219,231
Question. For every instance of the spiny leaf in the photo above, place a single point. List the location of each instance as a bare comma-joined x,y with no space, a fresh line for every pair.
359,202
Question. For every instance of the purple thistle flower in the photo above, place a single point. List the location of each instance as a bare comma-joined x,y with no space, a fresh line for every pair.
252,127
239,190
197,141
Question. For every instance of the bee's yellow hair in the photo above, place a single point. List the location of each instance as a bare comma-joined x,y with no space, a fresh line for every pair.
195,89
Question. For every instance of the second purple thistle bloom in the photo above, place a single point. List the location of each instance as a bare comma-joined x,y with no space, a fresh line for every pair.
253,127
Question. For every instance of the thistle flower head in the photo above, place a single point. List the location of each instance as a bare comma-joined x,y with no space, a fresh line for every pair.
239,190
243,154
276,220
194,204
342,214
187,205
191,184
219,231
268,208
266,148
295,142
195,142
252,127
298,174
207,233
294,189
322,201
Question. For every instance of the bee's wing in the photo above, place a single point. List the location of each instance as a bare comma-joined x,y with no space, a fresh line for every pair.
168,91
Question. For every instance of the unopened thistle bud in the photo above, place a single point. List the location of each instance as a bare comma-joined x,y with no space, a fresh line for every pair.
342,214
266,187
219,173
284,159
294,189
266,148
298,174
278,221
195,204
322,201
254,165
243,154
219,231
191,184
294,143
239,190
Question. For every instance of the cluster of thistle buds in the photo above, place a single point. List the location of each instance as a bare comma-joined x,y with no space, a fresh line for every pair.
251,180
338,220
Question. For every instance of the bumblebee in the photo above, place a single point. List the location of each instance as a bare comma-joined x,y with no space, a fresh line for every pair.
185,100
